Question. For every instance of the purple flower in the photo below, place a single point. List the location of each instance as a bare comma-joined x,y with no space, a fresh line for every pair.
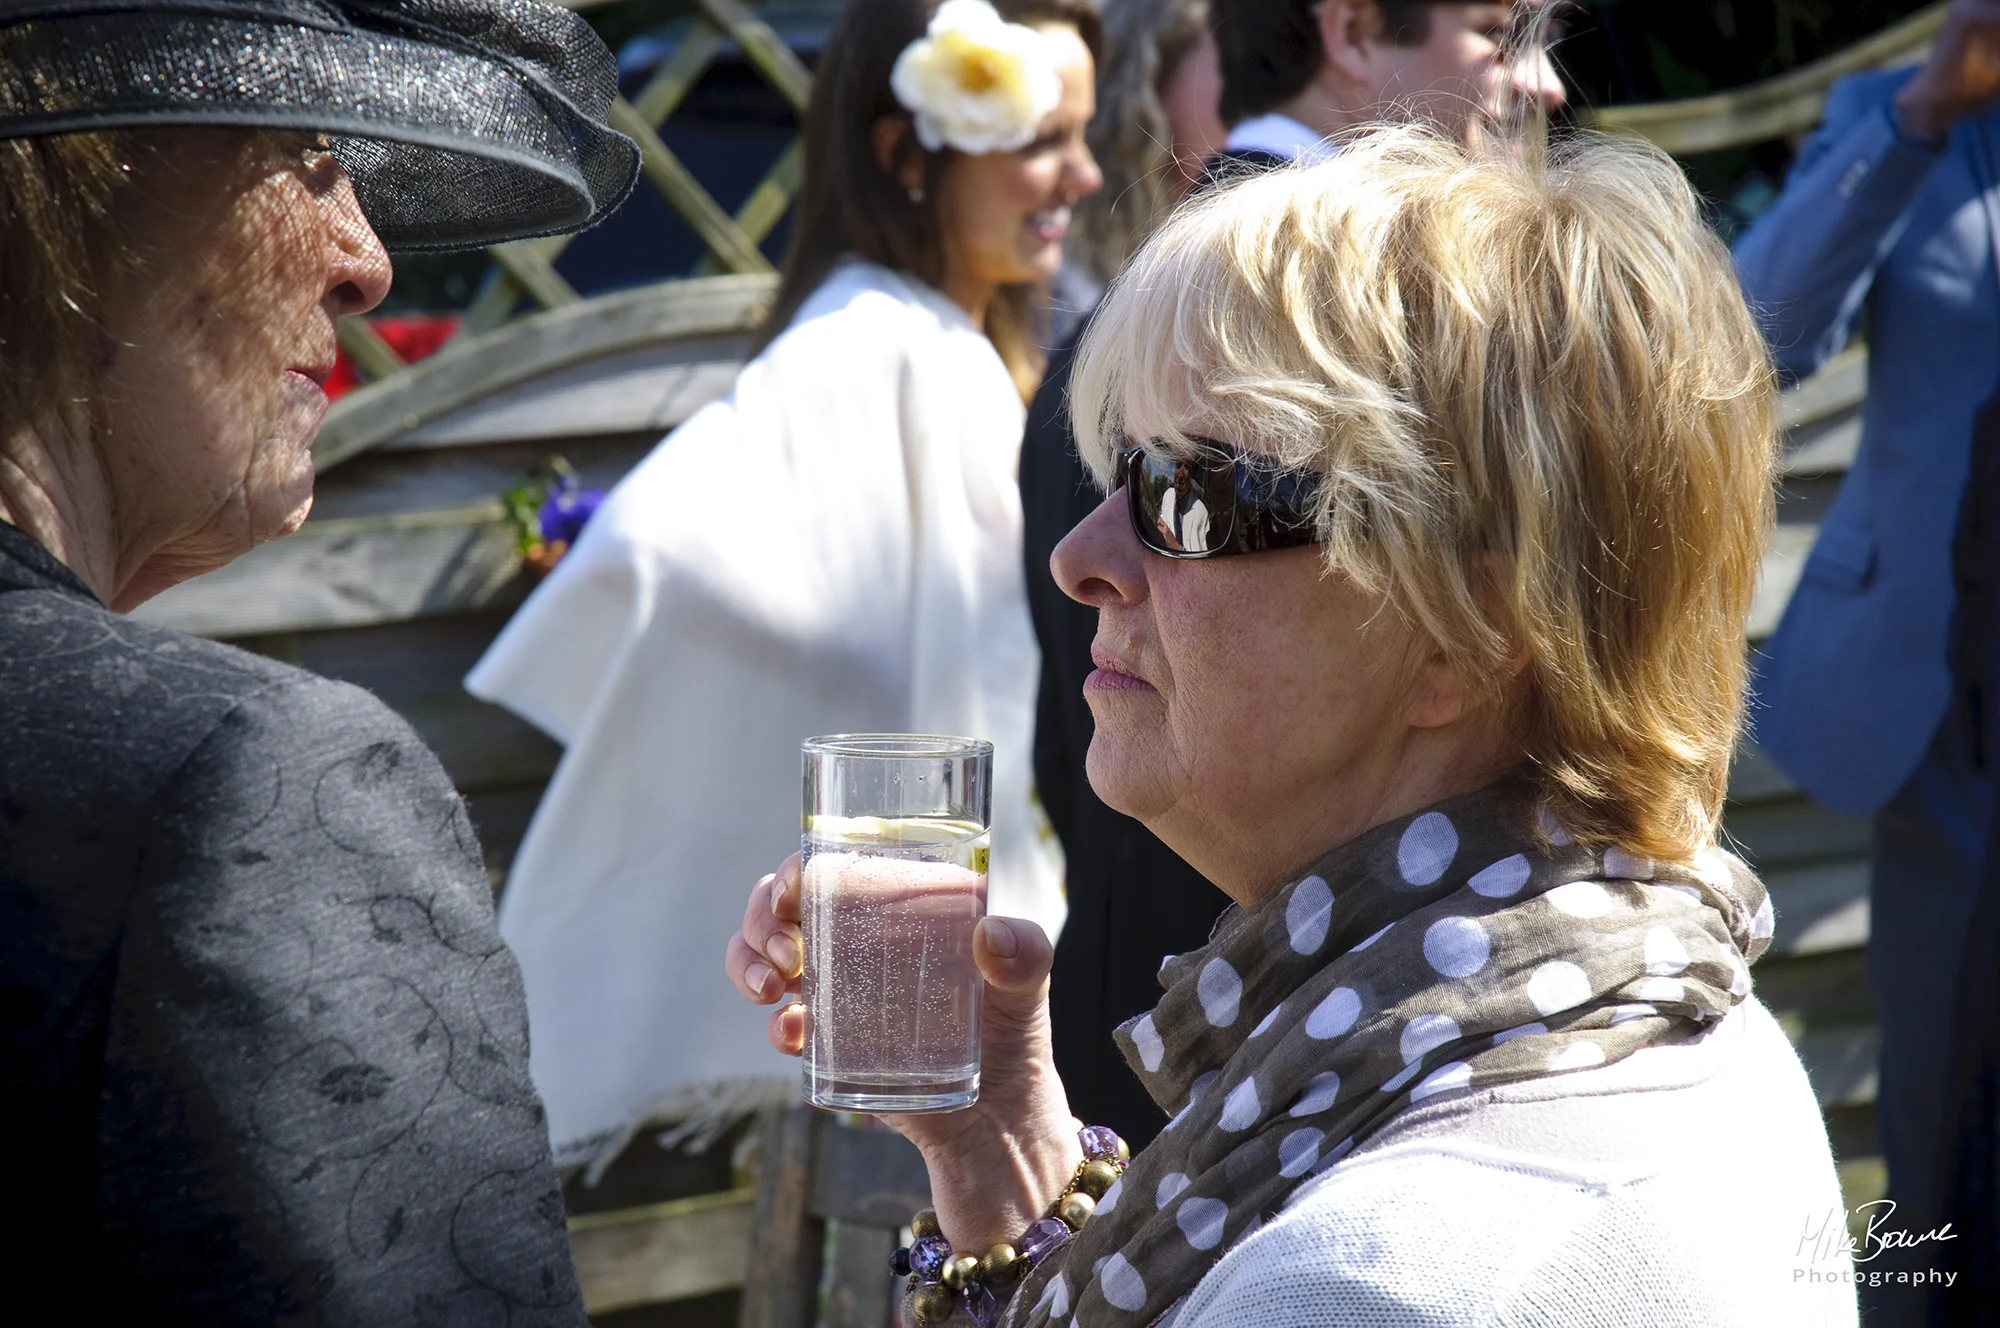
567,510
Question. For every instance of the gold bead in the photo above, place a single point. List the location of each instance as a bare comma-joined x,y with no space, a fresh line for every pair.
1075,1210
1124,1151
959,1271
997,1268
1097,1177
933,1303
925,1224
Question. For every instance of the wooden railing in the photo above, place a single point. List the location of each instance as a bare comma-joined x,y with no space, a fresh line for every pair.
1775,108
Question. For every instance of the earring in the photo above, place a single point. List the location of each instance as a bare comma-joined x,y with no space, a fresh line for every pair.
916,192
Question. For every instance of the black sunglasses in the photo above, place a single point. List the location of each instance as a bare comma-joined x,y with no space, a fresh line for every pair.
1216,503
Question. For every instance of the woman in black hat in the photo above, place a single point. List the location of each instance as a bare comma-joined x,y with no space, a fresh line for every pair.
263,1057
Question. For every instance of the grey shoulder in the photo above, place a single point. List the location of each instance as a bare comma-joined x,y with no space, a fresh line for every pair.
204,734
369,780
103,711
54,633
265,703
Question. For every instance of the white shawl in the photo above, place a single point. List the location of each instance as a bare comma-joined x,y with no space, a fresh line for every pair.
833,547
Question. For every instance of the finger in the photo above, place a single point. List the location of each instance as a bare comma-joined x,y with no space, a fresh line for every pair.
1013,954
759,903
785,891
752,975
787,1029
780,943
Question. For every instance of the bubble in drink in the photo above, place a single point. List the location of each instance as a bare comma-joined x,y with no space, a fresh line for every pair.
892,996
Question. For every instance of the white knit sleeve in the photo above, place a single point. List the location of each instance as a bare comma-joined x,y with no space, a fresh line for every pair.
1419,1239
1422,1236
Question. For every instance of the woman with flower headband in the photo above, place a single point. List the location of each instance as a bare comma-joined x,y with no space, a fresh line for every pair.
834,546
1445,706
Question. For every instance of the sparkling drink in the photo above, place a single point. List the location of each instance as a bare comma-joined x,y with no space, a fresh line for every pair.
892,996
896,847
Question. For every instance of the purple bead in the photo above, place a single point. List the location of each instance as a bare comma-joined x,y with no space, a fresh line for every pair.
1041,1238
1099,1143
981,1304
929,1256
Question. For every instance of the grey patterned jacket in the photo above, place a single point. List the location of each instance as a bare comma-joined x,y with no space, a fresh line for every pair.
263,1057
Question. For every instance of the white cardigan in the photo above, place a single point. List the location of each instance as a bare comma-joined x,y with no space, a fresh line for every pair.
1679,1188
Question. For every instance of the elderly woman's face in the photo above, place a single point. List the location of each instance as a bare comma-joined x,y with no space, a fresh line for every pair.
1253,711
219,343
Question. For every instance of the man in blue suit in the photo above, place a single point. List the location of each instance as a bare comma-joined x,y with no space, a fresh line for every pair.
1891,217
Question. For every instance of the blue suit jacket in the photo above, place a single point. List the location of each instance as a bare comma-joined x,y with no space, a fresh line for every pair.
1855,681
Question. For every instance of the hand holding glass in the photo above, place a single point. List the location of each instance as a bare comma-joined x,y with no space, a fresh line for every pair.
893,887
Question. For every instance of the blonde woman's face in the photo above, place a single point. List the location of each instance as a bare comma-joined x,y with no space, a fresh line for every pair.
1250,710
220,343
1005,214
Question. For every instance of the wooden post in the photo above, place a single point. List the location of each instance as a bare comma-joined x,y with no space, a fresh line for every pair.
781,1284
371,354
764,49
522,260
864,1290
661,96
664,171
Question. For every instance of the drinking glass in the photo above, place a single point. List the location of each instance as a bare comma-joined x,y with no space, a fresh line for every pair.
896,844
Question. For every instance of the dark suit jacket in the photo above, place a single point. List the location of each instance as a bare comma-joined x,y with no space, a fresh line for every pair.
1132,901
263,1058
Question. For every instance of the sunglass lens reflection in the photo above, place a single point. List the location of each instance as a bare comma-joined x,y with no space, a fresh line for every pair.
1181,505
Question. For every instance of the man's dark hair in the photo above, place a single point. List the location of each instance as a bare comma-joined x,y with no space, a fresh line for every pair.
1270,49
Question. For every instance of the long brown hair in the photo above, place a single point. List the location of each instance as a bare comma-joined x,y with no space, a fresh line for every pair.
850,205
1146,41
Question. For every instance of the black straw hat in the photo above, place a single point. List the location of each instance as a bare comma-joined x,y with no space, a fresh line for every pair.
462,122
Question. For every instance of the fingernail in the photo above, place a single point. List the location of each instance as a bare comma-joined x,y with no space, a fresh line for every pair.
759,978
778,888
784,952
1000,939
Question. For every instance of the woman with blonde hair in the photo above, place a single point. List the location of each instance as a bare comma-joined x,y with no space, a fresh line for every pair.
834,546
1155,129
1446,709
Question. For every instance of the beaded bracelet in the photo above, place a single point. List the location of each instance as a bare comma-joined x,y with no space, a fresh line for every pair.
940,1278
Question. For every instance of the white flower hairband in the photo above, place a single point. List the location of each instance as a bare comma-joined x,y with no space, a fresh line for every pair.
976,82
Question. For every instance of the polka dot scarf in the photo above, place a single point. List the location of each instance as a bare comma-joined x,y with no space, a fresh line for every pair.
1446,952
